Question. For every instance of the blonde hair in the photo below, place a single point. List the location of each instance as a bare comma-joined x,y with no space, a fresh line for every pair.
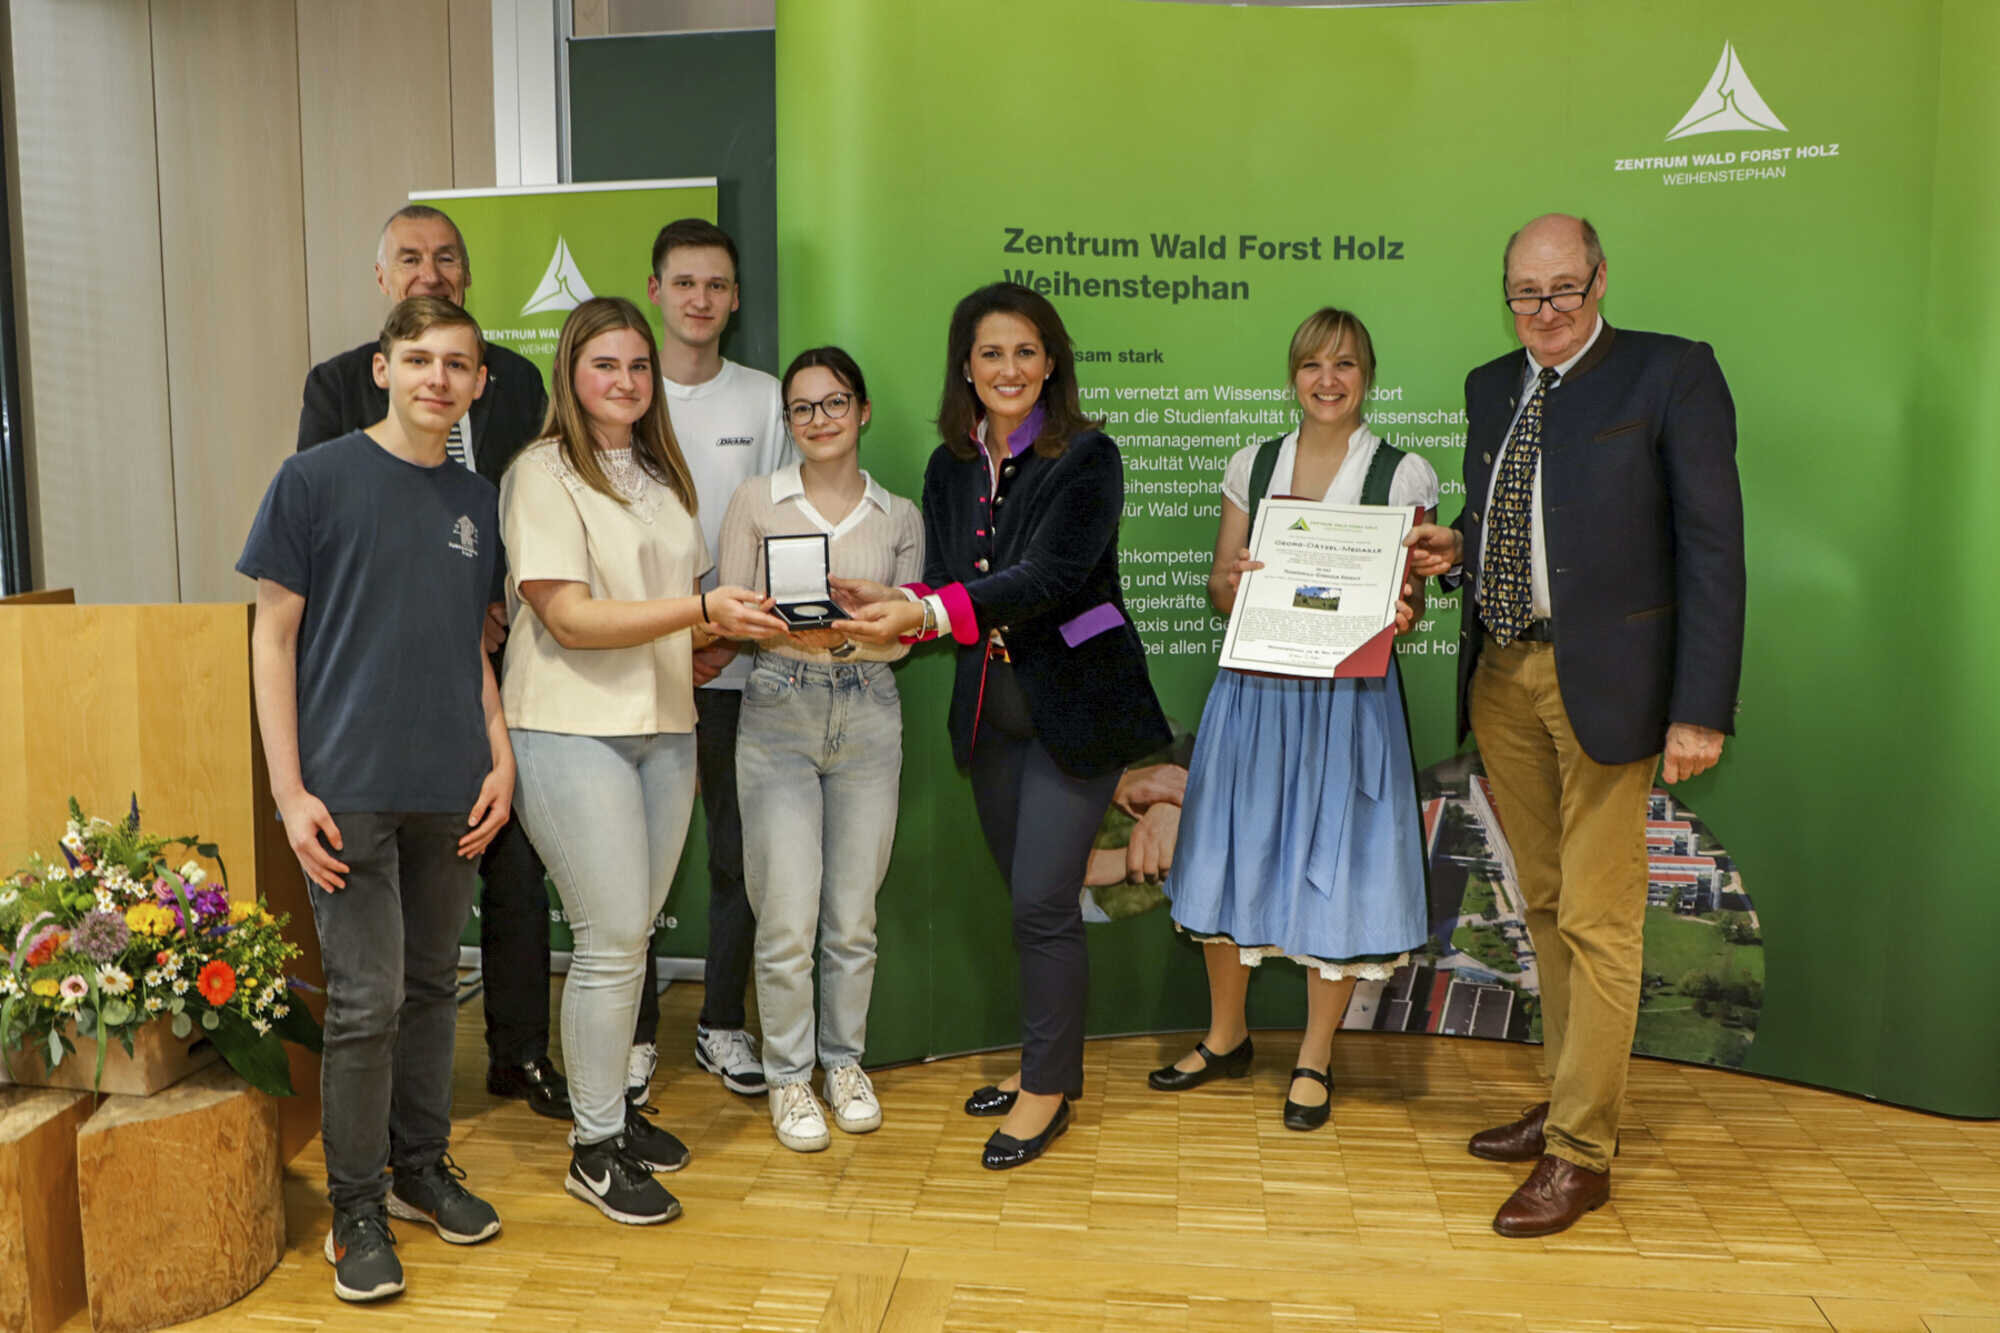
654,447
1325,327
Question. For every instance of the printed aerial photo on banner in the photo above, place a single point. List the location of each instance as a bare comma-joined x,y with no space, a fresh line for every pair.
1185,220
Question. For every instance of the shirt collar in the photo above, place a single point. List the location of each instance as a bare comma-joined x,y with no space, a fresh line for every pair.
1021,438
789,483
1562,371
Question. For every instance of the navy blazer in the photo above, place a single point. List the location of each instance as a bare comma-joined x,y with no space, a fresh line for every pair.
1037,559
341,396
1642,518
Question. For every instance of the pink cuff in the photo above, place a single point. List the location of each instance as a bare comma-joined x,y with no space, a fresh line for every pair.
964,625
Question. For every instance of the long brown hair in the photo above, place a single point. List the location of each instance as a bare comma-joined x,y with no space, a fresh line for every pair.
959,408
654,447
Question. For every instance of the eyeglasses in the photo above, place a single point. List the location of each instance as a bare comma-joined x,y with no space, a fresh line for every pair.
835,405
1560,302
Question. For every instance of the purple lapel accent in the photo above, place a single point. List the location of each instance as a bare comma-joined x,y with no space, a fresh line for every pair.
1022,437
1099,618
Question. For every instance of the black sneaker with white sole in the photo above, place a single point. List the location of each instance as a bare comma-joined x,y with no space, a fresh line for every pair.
362,1250
433,1195
610,1179
649,1143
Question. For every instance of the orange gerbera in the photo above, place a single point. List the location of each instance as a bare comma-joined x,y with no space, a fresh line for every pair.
217,982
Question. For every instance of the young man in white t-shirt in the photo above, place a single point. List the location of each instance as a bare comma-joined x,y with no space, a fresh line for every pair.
731,427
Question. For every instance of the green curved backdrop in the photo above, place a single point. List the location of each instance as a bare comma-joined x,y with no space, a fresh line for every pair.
1825,219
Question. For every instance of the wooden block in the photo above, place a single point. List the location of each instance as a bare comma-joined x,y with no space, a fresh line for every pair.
182,1203
41,1239
158,1060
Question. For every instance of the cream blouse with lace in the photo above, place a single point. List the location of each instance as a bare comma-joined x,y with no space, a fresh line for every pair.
555,526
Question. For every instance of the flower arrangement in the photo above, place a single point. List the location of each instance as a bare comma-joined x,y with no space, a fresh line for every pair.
112,939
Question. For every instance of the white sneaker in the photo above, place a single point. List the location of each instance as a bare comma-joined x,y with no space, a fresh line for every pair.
795,1114
731,1054
639,1067
851,1097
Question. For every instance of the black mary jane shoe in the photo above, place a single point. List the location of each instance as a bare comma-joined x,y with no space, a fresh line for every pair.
545,1090
990,1100
1233,1065
1309,1117
1004,1151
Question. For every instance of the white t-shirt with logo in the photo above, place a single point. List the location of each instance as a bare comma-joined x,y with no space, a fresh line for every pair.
730,429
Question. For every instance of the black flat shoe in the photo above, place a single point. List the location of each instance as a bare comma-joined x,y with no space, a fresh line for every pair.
1004,1151
1233,1065
546,1091
1309,1117
990,1100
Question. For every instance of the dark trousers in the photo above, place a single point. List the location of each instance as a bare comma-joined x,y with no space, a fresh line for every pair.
1039,824
732,928
514,948
389,944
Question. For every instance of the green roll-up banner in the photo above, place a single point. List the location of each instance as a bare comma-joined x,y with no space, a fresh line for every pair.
1808,186
536,252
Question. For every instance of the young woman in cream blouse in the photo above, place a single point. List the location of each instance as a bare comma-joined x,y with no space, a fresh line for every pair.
604,555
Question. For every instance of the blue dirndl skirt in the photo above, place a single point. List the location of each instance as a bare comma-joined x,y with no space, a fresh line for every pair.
1300,833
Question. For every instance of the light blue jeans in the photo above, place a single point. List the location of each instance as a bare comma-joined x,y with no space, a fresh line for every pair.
819,752
608,815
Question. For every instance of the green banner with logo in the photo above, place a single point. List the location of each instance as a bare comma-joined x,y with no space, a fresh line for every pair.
537,252
1808,186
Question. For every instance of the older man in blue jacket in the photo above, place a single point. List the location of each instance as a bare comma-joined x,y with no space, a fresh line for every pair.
1601,545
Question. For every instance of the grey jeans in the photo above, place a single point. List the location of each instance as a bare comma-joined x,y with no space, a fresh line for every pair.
818,753
389,944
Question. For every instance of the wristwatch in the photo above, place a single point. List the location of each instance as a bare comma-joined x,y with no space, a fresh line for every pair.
845,648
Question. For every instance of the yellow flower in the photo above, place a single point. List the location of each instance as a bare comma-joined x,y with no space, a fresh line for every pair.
150,919
45,987
241,911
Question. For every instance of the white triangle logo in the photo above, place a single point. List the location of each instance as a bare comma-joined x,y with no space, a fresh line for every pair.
562,287
1729,102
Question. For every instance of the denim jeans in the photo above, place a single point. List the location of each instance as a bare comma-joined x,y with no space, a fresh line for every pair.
389,944
819,752
609,815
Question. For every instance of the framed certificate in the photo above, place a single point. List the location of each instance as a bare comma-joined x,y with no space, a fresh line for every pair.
795,570
1324,605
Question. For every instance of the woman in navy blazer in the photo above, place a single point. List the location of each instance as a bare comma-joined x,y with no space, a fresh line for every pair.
1051,700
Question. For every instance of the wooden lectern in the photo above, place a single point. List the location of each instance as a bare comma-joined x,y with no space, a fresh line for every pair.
100,702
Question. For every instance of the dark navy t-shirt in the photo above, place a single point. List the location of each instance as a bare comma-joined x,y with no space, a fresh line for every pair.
397,564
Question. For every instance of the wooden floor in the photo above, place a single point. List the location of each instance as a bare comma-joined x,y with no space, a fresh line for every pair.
1737,1204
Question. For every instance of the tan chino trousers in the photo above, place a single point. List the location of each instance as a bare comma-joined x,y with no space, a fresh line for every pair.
1578,832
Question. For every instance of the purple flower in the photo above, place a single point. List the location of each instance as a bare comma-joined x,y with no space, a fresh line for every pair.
210,902
101,937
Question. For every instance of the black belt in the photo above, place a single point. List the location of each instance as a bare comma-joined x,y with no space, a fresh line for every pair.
1538,631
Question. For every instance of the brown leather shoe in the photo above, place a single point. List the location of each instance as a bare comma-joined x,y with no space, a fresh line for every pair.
1518,1142
1552,1198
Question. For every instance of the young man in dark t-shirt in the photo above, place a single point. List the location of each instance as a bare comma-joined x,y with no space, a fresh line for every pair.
375,559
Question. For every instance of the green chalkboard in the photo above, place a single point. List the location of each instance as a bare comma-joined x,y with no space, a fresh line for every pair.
695,104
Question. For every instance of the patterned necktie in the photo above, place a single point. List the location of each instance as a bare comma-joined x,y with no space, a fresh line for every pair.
454,445
1505,603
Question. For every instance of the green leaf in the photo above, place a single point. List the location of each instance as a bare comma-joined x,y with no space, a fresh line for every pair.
260,1060
298,1025
56,1051
178,1005
117,1013
210,1021
86,1022
182,1025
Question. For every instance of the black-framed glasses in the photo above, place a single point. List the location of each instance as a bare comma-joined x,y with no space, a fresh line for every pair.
1562,303
835,405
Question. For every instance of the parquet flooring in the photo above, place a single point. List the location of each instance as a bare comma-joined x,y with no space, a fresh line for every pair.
1737,1204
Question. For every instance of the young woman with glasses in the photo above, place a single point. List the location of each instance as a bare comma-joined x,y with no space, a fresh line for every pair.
819,753
1051,699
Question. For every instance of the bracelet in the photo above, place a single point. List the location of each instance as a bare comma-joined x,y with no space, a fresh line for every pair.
929,630
704,610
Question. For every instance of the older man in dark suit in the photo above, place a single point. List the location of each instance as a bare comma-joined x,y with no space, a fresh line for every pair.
421,253
1602,547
